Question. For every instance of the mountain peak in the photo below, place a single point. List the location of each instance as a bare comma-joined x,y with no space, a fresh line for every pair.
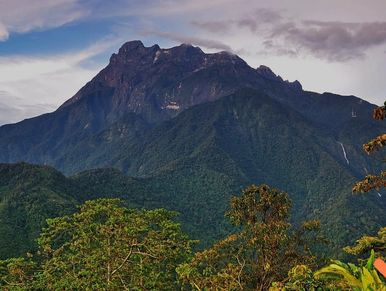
267,73
186,45
296,85
131,45
133,50
186,48
160,82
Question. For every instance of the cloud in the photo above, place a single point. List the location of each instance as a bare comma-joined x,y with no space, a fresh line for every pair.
13,109
8,113
252,21
13,113
206,43
22,16
30,86
177,7
4,34
213,26
329,40
25,15
259,18
334,41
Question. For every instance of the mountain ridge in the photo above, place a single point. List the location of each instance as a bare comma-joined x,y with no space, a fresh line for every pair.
191,132
132,84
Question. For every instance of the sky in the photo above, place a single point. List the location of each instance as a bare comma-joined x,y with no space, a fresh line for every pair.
50,48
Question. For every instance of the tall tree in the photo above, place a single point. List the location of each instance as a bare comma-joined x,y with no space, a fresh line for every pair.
263,251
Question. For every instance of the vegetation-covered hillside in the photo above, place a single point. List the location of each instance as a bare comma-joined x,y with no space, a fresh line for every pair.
104,245
28,195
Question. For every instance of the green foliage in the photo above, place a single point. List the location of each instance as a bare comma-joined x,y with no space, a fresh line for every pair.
110,247
28,196
192,163
350,276
263,251
336,276
367,243
17,273
300,278
104,247
197,193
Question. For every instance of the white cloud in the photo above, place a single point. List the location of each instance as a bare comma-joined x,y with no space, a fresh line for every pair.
175,7
26,15
202,42
3,32
34,85
13,109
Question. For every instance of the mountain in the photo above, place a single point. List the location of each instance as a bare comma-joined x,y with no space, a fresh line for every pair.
192,129
247,137
143,86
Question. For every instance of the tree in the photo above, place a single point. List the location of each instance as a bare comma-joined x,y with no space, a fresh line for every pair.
263,251
367,243
371,182
108,247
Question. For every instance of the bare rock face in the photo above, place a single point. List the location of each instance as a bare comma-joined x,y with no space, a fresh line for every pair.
267,73
159,83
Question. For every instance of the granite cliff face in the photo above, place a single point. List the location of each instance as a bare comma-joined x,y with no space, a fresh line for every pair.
159,83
